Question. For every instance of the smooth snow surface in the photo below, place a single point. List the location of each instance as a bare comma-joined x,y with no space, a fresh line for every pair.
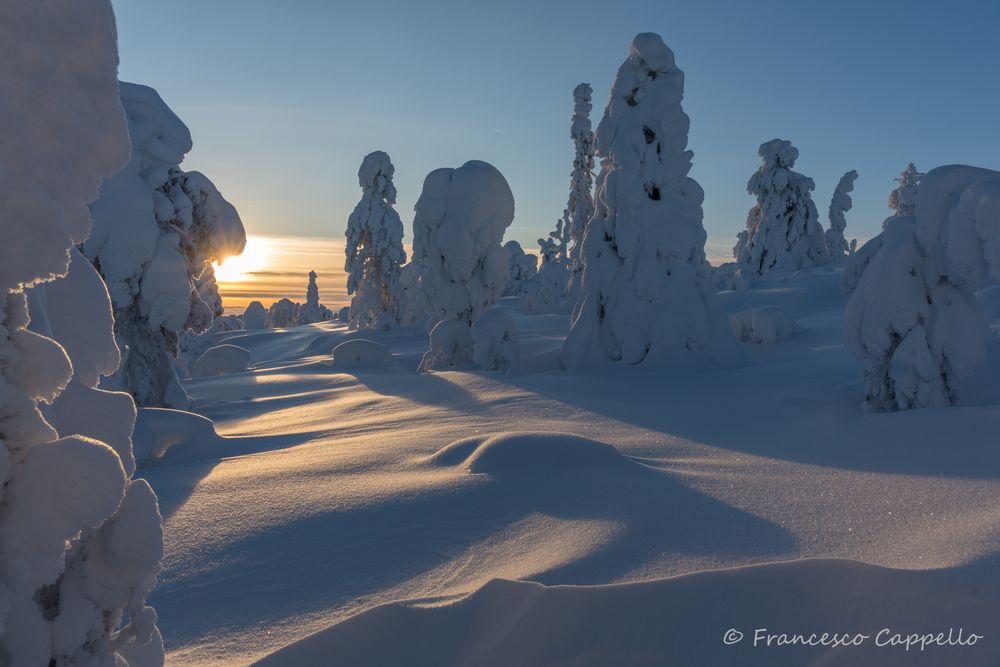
361,353
767,324
333,492
220,360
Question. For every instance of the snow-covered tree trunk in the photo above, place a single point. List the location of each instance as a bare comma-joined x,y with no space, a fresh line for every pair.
580,208
783,229
156,231
903,199
840,203
646,292
80,541
912,317
374,247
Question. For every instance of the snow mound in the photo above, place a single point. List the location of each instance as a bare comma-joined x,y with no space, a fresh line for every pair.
508,452
495,341
451,347
220,360
764,325
362,353
158,430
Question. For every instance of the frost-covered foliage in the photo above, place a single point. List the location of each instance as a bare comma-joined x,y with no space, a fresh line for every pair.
783,229
282,314
903,200
374,247
255,316
646,292
451,347
157,229
580,207
523,267
458,224
80,541
764,325
494,341
912,316
312,310
840,204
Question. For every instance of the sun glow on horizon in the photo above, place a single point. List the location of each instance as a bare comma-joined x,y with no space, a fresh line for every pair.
239,268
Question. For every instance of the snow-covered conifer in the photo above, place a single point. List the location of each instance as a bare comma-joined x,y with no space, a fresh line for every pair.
580,207
255,316
646,292
912,317
80,541
783,229
903,199
839,205
157,229
312,310
523,267
374,246
282,314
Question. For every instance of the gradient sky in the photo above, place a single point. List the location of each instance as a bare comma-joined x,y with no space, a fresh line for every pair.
283,99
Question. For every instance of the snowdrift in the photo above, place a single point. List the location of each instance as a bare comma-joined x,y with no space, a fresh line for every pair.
219,360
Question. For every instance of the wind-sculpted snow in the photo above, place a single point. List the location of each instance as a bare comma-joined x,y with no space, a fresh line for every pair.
362,354
528,453
646,292
219,360
80,540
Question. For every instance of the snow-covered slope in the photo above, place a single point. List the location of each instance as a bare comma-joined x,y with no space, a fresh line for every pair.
334,490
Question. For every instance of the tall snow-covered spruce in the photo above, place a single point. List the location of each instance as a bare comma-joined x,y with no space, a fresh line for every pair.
646,295
459,222
374,247
80,541
913,317
903,199
580,207
840,203
157,229
312,310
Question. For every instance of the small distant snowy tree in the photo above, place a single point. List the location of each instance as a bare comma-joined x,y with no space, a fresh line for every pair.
903,199
80,540
312,310
646,295
912,316
255,316
523,267
374,247
783,229
839,205
282,314
157,229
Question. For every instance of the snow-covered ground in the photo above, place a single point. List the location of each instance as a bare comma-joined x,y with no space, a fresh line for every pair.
335,491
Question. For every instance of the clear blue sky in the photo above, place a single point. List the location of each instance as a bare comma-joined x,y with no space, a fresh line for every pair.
285,98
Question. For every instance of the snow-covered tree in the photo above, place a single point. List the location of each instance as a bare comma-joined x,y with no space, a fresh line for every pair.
80,541
903,199
255,316
912,317
312,310
783,229
646,292
374,247
157,229
282,314
523,267
580,207
840,203
494,341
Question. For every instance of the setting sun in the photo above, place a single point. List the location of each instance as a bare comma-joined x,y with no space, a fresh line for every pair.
239,267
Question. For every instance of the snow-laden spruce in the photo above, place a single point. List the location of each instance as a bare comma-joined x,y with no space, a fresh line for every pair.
912,317
523,267
646,293
157,229
903,199
80,541
374,247
283,313
255,316
783,229
840,204
580,207
312,310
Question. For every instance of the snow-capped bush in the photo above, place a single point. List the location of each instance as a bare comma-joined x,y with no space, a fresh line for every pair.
646,292
523,267
451,347
840,203
361,353
783,229
546,293
80,542
374,246
903,199
912,316
312,310
764,325
494,341
221,360
580,207
156,231
282,314
255,316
